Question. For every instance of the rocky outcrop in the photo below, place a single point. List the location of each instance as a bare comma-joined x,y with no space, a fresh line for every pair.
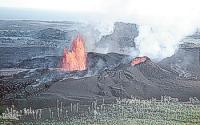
120,39
186,60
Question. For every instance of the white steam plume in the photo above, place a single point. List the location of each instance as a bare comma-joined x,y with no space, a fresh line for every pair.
162,23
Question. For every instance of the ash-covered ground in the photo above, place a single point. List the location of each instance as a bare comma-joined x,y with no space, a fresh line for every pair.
31,51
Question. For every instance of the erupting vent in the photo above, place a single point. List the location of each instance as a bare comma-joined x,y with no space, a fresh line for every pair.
139,60
76,59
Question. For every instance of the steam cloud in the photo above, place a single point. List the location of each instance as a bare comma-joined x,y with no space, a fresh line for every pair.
162,23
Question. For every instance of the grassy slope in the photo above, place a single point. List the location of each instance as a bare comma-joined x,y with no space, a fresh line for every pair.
131,112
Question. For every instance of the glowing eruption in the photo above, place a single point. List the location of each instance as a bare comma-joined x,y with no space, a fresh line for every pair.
139,60
76,59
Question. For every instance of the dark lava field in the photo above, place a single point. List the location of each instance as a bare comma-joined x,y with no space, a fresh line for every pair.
31,75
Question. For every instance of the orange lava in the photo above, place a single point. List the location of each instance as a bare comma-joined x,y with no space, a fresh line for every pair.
76,59
138,60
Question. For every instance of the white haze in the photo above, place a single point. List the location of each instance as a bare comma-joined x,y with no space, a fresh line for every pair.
162,23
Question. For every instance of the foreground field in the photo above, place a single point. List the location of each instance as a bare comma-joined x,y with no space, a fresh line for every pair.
124,112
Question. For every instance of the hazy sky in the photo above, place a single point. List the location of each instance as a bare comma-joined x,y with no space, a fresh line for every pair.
150,10
145,7
66,5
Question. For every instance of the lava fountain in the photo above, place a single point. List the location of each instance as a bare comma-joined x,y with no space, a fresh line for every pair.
76,59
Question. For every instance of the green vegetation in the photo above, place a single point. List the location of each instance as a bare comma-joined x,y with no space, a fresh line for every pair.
124,112
2,109
4,121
